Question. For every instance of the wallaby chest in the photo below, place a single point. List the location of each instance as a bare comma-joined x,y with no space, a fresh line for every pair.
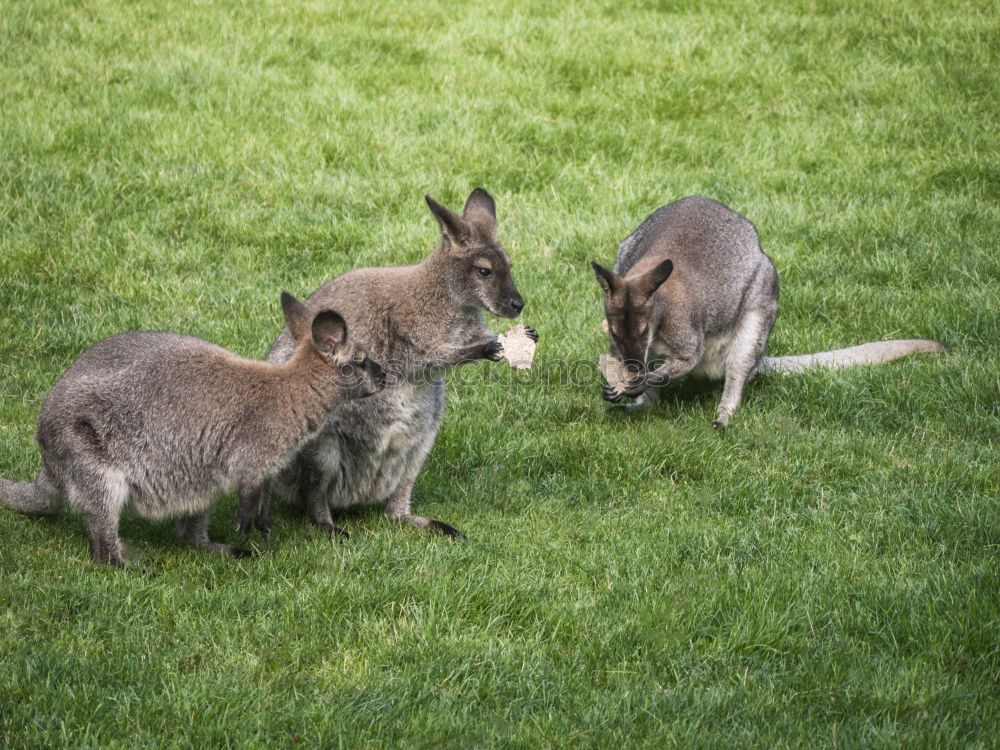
368,447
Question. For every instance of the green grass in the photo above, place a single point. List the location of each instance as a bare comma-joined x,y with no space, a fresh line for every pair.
825,574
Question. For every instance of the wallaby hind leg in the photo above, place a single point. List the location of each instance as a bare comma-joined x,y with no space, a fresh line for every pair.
254,510
101,500
193,530
313,492
397,507
742,358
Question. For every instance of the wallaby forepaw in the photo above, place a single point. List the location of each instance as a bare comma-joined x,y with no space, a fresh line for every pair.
532,334
611,394
636,387
238,552
492,351
721,423
448,531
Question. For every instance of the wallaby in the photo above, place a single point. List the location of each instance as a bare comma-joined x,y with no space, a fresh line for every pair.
163,424
692,292
419,321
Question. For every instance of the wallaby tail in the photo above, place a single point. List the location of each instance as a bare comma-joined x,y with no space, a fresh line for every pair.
873,353
37,498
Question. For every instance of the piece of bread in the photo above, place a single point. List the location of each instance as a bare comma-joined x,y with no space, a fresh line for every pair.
614,372
518,347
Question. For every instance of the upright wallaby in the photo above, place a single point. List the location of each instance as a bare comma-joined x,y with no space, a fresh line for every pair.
163,424
418,321
692,292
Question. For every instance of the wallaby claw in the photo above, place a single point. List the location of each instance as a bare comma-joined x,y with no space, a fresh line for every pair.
491,351
449,531
335,533
611,394
532,334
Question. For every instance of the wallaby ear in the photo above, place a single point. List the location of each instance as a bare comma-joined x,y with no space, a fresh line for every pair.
481,211
452,225
604,277
480,200
296,315
329,331
651,280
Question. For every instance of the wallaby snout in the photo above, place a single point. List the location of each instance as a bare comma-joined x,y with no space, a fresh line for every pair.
378,376
511,306
362,376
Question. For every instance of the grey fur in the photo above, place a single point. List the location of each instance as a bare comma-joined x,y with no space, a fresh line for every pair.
710,311
163,424
419,321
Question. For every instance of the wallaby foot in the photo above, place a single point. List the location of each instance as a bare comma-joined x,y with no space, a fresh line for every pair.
318,513
335,533
231,549
193,531
643,402
225,549
443,528
101,502
429,524
721,423
106,551
254,511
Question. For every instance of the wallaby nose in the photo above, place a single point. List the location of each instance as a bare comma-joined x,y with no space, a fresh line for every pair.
517,304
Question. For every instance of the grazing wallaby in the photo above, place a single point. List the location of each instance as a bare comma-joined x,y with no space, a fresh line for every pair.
419,321
692,292
163,424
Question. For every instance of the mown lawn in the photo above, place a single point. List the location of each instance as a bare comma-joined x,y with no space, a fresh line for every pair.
824,574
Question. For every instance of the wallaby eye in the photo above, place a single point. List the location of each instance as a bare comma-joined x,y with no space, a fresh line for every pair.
484,272
645,330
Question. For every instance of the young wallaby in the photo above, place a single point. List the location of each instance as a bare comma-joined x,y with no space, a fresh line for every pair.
419,321
163,424
692,292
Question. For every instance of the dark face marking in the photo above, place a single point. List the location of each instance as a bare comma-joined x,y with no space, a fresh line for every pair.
628,308
628,325
358,374
489,272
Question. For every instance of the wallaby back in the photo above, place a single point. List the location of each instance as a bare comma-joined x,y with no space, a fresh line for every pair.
692,292
163,424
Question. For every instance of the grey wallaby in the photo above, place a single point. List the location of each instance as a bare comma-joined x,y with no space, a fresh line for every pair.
419,321
163,424
692,292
